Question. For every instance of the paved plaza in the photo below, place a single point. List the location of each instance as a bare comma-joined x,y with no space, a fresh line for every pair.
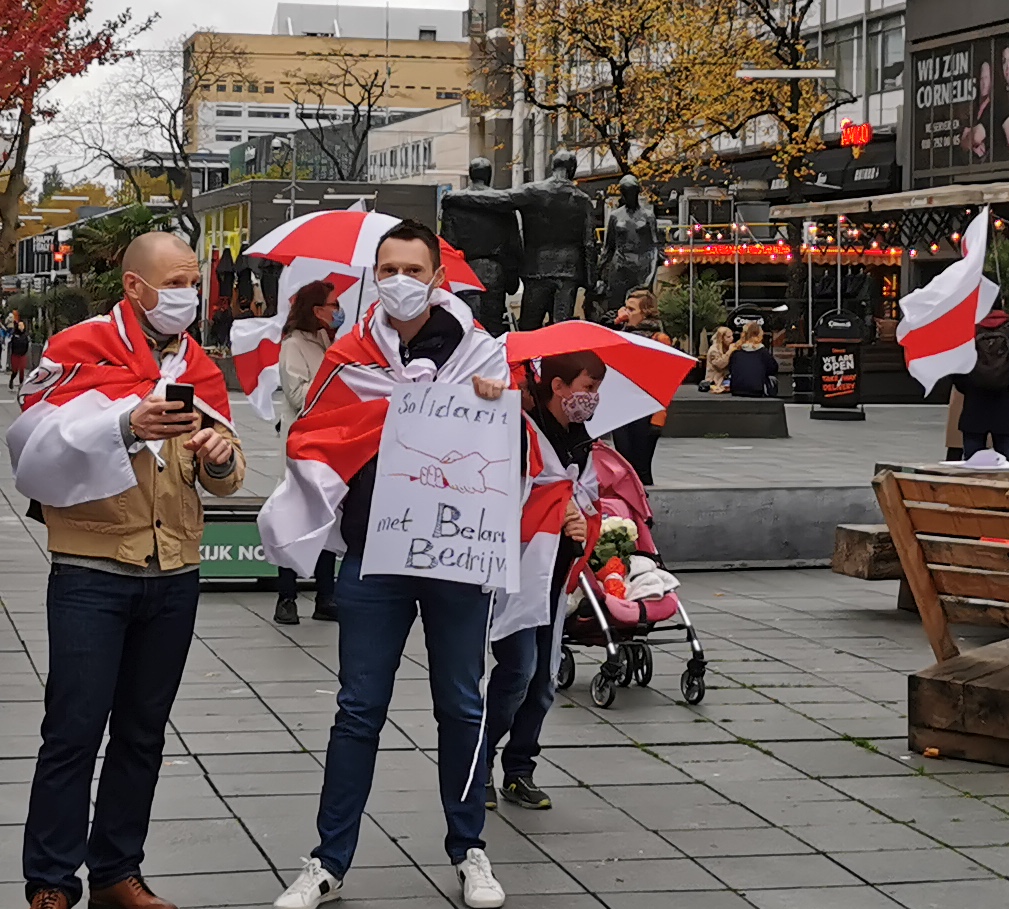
789,787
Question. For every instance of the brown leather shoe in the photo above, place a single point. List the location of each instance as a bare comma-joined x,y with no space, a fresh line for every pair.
50,899
132,893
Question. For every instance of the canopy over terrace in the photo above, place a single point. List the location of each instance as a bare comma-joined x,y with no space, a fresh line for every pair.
929,217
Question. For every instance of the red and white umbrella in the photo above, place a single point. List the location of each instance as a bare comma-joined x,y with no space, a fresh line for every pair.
642,375
348,236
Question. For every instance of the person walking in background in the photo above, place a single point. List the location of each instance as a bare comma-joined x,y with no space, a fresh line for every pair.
985,389
753,371
636,441
20,342
312,324
717,367
115,467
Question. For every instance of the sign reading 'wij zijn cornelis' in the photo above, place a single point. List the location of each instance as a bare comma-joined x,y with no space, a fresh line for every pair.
447,498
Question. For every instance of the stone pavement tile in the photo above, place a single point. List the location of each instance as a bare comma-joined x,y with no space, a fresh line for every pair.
981,785
874,789
699,843
796,729
16,770
518,879
12,894
904,867
821,898
957,809
533,901
14,802
195,891
861,709
421,836
698,731
258,763
206,743
193,847
960,834
270,806
800,814
296,783
11,838
698,899
894,727
591,734
709,817
836,759
994,857
404,883
212,690
936,766
600,766
638,844
835,838
784,791
770,872
950,894
759,768
261,721
650,875
549,775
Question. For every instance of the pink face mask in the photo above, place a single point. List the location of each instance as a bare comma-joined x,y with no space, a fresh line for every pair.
579,406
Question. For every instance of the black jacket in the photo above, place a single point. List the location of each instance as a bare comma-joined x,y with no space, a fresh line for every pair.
749,369
436,341
19,343
984,410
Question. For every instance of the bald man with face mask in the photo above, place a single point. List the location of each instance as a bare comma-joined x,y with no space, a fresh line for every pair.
115,467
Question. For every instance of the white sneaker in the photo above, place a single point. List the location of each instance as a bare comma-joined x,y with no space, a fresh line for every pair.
480,889
314,885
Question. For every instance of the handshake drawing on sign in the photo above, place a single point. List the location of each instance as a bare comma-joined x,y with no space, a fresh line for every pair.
462,472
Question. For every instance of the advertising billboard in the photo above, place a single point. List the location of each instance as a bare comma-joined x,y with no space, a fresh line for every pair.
960,103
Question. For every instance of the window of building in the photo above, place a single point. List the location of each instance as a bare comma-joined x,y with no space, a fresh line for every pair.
393,158
223,111
227,137
222,86
429,34
842,49
428,159
237,88
886,54
205,86
253,88
270,113
267,88
448,96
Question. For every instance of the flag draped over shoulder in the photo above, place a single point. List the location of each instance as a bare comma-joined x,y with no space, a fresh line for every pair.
340,427
549,488
66,447
937,331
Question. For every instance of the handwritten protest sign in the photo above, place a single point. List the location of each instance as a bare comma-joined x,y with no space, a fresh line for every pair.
447,498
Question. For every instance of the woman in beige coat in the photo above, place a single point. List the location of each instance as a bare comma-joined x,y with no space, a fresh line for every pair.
311,326
718,360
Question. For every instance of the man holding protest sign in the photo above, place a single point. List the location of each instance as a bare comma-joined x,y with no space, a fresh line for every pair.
417,356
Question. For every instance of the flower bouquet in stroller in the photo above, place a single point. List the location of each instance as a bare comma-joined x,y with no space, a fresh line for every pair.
625,594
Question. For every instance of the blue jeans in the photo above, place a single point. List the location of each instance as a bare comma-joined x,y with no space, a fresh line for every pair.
117,645
375,615
973,442
519,697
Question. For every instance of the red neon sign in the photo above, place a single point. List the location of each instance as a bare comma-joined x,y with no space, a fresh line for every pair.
855,134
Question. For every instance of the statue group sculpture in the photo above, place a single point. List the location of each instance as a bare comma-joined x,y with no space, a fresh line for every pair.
556,253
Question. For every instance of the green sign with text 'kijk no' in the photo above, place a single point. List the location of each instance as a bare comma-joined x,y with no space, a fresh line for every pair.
233,550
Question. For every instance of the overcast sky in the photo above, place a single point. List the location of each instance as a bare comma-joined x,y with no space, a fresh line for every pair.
184,17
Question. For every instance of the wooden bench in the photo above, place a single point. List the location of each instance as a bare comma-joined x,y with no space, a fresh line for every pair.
946,530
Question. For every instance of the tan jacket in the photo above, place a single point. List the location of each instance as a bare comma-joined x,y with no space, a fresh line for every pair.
717,369
164,508
301,356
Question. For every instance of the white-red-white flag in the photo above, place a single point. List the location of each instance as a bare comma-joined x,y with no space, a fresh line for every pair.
937,330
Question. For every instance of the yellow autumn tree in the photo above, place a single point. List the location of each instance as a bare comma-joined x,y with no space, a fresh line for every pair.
647,84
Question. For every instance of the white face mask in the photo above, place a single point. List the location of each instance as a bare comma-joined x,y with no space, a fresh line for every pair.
175,310
403,298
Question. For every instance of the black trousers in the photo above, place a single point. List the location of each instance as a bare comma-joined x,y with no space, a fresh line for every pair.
547,296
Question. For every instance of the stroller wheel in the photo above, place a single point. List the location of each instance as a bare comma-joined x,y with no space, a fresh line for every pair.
692,687
628,664
566,672
643,666
602,690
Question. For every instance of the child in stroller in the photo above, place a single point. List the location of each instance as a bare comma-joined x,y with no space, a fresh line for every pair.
620,604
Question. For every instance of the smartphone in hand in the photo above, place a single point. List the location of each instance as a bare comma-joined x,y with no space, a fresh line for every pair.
183,393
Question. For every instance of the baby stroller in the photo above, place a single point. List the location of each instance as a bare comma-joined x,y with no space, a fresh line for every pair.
623,626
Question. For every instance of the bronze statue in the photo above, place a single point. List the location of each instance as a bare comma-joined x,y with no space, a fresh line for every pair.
557,231
630,252
489,238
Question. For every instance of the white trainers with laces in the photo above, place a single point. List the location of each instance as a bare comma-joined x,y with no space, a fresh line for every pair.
314,885
480,889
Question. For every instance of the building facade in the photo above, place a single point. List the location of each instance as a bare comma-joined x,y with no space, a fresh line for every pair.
286,82
428,148
397,23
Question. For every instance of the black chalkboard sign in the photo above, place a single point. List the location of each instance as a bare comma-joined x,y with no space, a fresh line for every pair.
837,367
